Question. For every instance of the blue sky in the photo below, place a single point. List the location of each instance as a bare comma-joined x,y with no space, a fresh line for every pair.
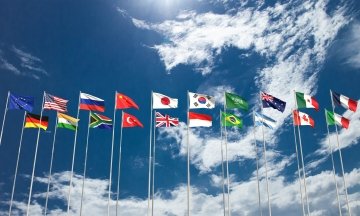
170,47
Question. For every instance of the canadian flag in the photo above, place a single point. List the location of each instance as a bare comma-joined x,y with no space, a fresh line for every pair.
161,101
301,118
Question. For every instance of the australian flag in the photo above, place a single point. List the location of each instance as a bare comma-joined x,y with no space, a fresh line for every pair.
21,102
271,101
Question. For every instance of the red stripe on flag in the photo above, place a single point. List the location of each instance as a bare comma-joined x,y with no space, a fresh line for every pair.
352,105
193,115
92,107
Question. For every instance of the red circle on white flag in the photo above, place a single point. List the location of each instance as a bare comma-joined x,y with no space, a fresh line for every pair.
165,100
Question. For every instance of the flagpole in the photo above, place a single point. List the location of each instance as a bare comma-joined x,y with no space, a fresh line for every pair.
302,162
150,158
51,164
264,152
73,160
17,165
85,162
341,160
257,168
3,122
227,161
153,164
188,157
35,157
119,166
111,156
222,165
333,167
298,166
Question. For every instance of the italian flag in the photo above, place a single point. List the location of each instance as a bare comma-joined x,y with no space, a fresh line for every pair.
333,118
301,118
306,101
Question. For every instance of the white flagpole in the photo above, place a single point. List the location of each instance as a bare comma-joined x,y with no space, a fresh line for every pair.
119,166
153,168
150,158
257,167
222,165
341,160
35,156
188,158
5,111
227,161
333,167
17,165
51,164
73,160
112,155
266,170
299,174
302,162
85,162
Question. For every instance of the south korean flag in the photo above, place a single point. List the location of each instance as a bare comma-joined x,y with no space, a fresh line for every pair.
201,101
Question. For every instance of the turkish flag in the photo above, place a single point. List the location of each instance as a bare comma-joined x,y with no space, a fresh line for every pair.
130,121
124,102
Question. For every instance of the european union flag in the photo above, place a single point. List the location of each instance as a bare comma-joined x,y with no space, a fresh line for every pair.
271,101
21,102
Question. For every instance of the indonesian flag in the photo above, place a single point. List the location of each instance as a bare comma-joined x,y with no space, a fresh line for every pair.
199,120
344,101
301,118
161,101
306,101
130,121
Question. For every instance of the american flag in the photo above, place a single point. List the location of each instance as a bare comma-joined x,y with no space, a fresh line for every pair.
166,120
55,103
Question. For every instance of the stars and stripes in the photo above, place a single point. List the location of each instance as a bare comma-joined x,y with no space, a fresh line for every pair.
166,120
55,103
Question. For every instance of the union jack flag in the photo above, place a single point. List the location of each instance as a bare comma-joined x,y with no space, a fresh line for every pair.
166,120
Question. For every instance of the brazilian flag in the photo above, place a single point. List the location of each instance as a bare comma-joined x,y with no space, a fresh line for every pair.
230,120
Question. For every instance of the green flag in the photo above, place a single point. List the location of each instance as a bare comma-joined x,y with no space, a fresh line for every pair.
230,120
235,101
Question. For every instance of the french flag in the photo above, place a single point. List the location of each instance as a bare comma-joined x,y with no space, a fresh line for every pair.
345,101
92,103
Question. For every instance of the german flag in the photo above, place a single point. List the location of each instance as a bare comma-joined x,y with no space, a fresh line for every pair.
33,121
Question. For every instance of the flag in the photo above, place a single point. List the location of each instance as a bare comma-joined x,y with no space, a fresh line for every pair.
124,102
271,101
100,121
333,118
344,101
161,101
55,103
165,120
301,118
68,122
21,102
235,101
306,101
229,120
33,121
201,101
199,120
130,121
92,103
261,119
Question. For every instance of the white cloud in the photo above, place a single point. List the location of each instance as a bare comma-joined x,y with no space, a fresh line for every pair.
285,198
351,53
26,64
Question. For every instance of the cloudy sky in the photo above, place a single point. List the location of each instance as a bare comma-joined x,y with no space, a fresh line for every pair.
171,47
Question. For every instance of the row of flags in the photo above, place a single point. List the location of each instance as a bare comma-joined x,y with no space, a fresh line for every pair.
161,101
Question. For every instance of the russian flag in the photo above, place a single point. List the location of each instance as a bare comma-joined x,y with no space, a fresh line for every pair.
92,103
344,101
